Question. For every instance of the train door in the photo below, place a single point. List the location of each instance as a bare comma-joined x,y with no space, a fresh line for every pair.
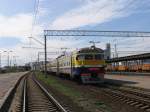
71,66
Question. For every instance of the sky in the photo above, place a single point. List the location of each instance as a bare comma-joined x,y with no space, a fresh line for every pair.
18,22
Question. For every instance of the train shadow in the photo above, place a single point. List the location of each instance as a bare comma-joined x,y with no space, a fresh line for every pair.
106,83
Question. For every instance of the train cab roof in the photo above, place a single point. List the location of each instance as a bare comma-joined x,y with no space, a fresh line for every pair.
91,49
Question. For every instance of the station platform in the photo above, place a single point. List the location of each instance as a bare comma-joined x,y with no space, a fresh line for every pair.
7,82
129,80
130,73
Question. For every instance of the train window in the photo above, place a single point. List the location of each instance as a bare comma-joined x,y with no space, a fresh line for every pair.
99,56
88,57
66,63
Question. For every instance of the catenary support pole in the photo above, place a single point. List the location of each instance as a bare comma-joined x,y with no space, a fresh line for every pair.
45,50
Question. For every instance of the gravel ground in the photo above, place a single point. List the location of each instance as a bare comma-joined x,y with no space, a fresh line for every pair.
62,99
88,100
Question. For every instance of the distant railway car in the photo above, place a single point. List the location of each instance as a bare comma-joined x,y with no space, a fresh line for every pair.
122,68
146,65
115,68
52,66
86,65
131,66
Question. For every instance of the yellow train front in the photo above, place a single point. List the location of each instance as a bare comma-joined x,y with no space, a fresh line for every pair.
86,65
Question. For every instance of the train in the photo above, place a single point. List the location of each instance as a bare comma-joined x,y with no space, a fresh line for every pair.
131,66
86,65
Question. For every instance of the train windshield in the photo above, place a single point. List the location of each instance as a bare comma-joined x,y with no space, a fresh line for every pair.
99,56
90,57
80,57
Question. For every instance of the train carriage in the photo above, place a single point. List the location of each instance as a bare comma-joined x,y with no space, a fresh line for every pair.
146,65
86,65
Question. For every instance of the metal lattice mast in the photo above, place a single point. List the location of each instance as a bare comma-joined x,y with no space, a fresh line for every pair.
96,33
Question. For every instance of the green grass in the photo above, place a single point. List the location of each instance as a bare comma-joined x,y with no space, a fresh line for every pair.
72,93
102,105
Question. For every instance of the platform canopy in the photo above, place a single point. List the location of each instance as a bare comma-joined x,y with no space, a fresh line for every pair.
129,58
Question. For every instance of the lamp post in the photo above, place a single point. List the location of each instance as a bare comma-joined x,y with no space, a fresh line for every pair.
8,58
15,60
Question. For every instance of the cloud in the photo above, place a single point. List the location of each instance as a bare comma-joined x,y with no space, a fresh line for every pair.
96,11
21,54
28,54
18,25
90,13
131,46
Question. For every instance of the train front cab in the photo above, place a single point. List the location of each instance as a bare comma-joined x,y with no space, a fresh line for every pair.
89,68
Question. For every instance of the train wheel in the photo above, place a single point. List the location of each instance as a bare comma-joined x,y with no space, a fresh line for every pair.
79,80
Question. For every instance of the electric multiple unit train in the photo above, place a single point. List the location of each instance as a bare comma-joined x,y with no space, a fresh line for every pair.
86,65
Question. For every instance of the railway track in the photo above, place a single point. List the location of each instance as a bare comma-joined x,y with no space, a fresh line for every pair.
31,96
134,97
138,92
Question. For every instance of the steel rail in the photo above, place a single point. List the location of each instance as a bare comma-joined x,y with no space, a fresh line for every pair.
129,97
50,96
137,92
24,95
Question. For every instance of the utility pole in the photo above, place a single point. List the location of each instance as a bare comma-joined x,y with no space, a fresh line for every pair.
45,50
116,54
115,48
15,60
0,61
38,57
8,58
64,48
38,60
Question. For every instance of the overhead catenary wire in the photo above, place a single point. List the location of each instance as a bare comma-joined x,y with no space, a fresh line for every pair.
35,13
